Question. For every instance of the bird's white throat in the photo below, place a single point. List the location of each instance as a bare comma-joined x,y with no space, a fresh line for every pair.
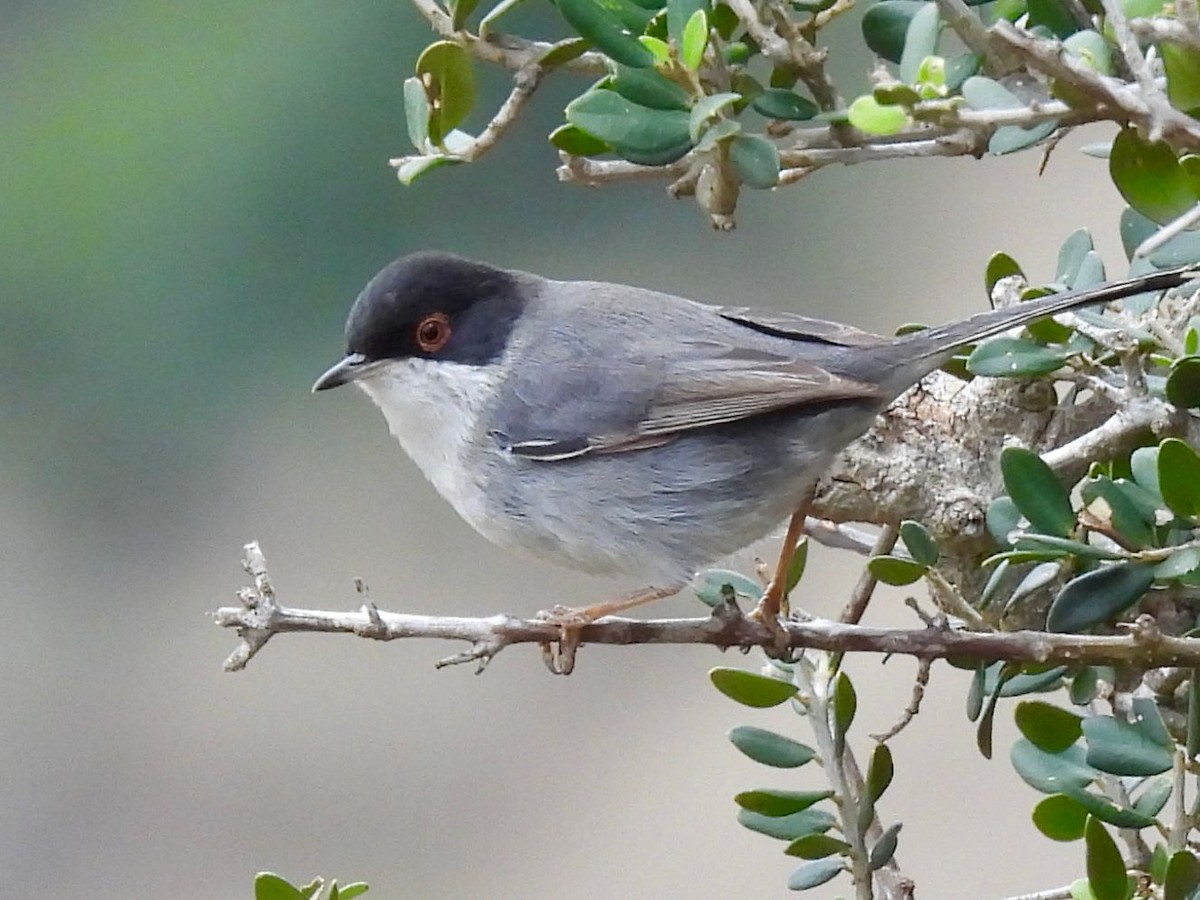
434,409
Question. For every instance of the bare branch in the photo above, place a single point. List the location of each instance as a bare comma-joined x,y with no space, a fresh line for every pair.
1155,118
260,617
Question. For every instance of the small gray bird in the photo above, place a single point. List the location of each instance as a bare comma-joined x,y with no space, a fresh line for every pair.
614,429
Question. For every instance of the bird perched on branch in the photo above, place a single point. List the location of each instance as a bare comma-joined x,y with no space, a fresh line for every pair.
618,430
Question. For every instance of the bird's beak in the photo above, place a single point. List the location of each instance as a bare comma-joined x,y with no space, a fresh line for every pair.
354,366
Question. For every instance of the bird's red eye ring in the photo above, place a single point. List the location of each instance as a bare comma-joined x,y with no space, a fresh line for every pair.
433,332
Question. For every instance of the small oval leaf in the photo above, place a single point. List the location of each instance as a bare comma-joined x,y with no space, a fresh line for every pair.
815,873
1098,596
1120,748
1060,818
446,73
769,748
780,103
756,160
1050,728
750,688
779,803
1036,491
1179,477
895,570
1105,868
787,828
817,846
600,26
1006,357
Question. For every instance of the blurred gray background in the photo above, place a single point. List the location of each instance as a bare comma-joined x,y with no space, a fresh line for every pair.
192,196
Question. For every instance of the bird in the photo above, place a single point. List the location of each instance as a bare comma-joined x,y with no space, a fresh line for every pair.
618,430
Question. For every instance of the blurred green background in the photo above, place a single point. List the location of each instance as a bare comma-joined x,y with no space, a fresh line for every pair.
192,196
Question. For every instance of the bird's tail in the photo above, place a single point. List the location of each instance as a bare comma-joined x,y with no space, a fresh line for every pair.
941,341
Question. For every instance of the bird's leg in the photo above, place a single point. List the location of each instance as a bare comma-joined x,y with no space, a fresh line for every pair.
774,600
572,620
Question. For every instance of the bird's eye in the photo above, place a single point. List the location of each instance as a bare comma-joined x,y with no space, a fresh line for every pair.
433,332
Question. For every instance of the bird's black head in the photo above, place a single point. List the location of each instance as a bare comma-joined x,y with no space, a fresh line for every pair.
434,306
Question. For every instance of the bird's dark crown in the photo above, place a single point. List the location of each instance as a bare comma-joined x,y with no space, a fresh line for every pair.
479,303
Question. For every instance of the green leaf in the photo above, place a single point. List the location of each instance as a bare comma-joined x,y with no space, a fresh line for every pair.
885,848
462,10
1123,510
269,886
646,87
558,54
708,108
445,71
1002,518
814,874
1183,75
1149,721
920,41
1051,773
1182,875
356,889
788,828
756,160
817,846
1071,256
1179,477
1154,797
679,14
1060,818
895,570
1036,491
1085,686
920,543
416,113
415,166
710,586
1001,265
1015,357
695,40
600,26
1031,682
638,133
1090,48
845,705
1143,462
879,772
779,803
1120,748
780,103
1050,728
985,94
1041,542
1098,596
1150,178
796,568
1106,811
769,748
870,116
660,49
1054,15
1180,563
885,26
750,688
1183,383
1105,868
574,140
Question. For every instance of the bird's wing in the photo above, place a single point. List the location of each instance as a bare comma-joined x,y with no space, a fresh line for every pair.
613,398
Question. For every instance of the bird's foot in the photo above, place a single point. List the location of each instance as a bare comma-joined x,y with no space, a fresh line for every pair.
773,605
571,621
